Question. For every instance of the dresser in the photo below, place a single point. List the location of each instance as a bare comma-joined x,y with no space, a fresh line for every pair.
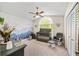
15,51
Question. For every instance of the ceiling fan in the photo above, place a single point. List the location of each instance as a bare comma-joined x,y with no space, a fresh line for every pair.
37,13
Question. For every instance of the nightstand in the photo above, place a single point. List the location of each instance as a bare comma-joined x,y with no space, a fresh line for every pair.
33,35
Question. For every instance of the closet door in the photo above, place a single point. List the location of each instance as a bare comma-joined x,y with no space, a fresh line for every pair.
71,33
72,40
77,28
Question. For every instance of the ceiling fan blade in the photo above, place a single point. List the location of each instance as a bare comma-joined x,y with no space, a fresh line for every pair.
41,16
34,16
41,12
31,12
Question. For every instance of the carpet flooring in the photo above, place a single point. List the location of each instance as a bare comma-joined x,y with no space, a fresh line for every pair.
37,48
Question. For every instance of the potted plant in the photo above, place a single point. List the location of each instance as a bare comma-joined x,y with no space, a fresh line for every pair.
1,20
5,32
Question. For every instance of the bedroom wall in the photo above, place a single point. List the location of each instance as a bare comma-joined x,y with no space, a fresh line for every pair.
18,22
56,19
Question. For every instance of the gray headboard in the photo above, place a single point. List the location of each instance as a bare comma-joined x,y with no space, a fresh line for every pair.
45,30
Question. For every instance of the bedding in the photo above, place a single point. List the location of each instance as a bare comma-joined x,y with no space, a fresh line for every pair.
20,34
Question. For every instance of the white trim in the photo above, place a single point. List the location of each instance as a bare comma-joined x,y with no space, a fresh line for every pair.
70,8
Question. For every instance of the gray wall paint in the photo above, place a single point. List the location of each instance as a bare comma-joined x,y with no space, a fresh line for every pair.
18,22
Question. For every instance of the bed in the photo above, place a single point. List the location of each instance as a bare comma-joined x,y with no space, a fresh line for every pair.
20,34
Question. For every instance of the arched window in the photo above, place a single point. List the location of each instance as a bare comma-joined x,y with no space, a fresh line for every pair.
46,22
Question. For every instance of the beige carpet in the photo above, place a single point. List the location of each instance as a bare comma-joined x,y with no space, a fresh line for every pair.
37,48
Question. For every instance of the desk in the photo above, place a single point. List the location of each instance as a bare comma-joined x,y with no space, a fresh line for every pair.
15,51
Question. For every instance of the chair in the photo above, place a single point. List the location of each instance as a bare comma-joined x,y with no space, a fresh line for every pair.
58,38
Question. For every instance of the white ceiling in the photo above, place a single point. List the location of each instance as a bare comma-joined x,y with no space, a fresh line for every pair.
21,9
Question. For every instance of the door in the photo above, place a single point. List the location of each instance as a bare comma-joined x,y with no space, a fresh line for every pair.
71,34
